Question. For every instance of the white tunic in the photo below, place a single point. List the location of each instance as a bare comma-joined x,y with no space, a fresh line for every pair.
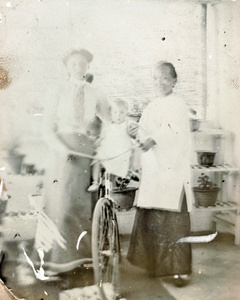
166,166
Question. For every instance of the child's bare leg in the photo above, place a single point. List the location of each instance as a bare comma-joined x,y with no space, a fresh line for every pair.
95,172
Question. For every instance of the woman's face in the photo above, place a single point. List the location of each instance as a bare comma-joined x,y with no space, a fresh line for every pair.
164,81
77,66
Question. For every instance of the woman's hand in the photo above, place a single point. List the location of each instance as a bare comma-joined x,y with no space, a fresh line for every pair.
148,144
133,129
97,142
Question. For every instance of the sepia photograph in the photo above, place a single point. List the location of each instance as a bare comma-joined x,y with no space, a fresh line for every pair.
119,149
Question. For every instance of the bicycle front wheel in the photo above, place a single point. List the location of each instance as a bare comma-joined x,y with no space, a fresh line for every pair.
105,244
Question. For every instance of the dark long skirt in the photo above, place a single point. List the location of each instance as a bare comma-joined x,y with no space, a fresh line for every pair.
153,242
68,204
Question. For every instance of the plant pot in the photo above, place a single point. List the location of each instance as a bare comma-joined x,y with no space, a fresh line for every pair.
28,169
3,206
205,158
15,162
194,124
124,198
205,197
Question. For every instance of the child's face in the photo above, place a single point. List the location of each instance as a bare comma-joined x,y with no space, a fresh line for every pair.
118,114
164,81
77,66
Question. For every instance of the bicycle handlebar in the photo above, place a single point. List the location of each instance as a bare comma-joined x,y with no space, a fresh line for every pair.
138,144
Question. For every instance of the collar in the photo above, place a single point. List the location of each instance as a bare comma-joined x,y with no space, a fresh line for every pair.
78,83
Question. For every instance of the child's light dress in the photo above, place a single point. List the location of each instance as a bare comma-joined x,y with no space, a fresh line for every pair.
115,141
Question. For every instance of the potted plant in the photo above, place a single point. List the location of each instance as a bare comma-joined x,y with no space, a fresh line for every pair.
13,158
206,192
122,194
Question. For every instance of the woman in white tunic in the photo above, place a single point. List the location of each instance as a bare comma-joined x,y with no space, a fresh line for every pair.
163,204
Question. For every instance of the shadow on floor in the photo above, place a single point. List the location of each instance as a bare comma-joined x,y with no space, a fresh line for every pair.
216,274
134,284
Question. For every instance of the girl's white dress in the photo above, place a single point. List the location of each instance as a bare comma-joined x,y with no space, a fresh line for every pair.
115,142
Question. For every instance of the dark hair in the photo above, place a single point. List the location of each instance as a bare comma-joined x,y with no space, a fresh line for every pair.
169,65
83,52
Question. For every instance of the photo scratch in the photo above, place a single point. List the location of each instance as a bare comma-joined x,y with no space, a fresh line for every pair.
38,273
80,237
198,239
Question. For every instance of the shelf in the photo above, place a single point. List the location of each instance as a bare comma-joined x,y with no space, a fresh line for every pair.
220,169
216,132
225,217
220,206
226,212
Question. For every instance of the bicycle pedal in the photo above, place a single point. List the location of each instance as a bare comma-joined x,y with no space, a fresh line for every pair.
107,252
88,266
119,297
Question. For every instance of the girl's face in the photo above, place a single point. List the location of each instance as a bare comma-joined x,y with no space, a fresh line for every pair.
77,66
164,81
118,114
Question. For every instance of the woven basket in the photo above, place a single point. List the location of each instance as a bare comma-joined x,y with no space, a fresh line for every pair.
205,198
124,198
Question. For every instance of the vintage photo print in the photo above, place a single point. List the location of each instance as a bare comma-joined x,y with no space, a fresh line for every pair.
119,149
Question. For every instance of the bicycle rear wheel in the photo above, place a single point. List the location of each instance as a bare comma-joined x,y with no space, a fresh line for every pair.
105,244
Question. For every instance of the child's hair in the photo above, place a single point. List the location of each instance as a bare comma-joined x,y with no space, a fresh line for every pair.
119,103
169,65
83,52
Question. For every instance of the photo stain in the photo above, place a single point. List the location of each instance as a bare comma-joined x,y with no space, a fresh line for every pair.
5,78
163,38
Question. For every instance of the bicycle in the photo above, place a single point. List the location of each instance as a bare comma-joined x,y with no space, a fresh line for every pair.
106,252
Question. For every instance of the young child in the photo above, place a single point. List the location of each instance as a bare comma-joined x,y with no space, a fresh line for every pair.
113,142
